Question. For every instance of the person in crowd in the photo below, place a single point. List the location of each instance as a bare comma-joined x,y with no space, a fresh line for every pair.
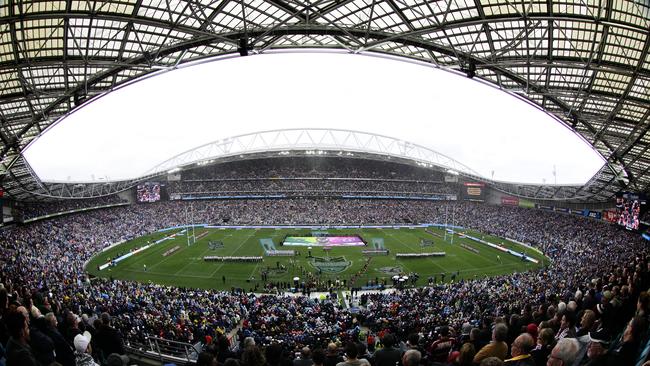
42,345
567,326
564,353
587,323
521,349
626,352
411,357
304,359
332,356
545,344
598,350
497,348
109,339
116,360
207,359
465,355
64,353
318,356
252,356
19,353
83,350
441,347
491,361
388,355
351,353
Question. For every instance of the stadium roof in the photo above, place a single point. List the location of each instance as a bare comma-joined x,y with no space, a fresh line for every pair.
586,62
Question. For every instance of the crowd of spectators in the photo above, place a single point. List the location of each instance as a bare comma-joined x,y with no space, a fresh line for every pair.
314,177
312,186
589,303
30,210
315,167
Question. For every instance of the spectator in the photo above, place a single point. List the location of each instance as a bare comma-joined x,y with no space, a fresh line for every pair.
545,344
207,359
497,348
388,355
304,359
318,356
626,352
521,348
412,357
19,353
564,353
466,355
64,352
491,361
41,344
567,326
117,360
109,339
83,350
442,347
252,356
351,353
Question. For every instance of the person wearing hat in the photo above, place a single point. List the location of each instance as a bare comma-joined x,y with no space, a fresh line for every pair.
83,350
597,352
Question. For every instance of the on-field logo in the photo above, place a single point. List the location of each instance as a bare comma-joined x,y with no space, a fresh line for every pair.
330,264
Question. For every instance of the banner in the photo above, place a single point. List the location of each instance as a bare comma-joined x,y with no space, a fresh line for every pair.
451,178
319,241
594,214
509,201
526,203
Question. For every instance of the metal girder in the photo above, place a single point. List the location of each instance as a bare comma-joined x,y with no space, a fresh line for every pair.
585,63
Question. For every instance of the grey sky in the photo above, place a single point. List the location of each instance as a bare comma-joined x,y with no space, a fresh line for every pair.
128,131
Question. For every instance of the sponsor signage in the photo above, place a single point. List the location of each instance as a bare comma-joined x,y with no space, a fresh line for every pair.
509,201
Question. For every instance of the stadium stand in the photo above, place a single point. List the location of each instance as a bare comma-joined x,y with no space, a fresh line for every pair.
299,177
34,210
595,266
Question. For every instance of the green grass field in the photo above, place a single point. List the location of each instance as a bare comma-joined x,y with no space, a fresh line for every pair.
186,267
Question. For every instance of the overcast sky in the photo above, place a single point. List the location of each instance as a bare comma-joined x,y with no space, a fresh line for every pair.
127,132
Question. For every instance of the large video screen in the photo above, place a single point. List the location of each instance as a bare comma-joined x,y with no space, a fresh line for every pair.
324,241
473,191
148,192
629,208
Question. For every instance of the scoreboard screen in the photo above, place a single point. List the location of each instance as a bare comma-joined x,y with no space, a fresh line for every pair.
629,208
148,192
474,191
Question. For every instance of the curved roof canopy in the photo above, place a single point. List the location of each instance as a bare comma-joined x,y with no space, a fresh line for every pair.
586,62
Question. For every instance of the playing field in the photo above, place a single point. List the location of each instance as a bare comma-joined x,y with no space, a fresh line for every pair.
186,267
